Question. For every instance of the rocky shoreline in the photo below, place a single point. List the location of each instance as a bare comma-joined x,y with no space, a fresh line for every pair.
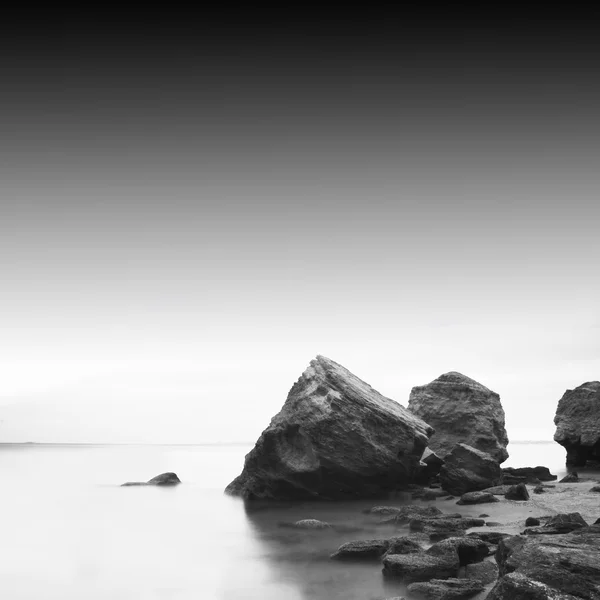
473,530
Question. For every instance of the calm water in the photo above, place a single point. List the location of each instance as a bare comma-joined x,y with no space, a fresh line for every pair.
69,531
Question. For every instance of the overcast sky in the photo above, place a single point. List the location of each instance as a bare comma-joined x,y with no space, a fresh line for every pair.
187,218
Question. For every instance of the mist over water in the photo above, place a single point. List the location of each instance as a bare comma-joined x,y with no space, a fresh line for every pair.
70,531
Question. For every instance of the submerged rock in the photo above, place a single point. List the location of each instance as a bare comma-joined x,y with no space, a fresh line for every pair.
461,410
467,469
577,423
162,479
335,437
306,524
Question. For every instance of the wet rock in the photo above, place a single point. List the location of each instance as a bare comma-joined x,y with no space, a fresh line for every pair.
572,477
404,545
485,572
445,589
413,511
483,516
497,490
517,586
567,563
469,549
562,523
308,524
362,550
577,423
532,522
461,410
420,567
445,524
517,492
528,474
596,488
477,498
334,438
539,489
490,537
493,524
164,479
466,469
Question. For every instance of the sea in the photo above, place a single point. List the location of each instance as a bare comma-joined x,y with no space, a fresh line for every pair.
70,531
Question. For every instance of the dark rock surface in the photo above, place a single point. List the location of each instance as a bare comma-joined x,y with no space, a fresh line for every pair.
466,469
403,514
517,586
532,522
517,492
469,549
596,488
528,474
162,479
430,466
567,564
445,524
558,524
445,589
461,410
420,567
404,545
477,498
577,423
335,438
485,572
362,550
307,524
572,477
490,537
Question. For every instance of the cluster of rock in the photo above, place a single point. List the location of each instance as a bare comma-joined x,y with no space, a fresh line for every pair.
336,437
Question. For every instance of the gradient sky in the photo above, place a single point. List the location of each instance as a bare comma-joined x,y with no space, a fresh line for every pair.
189,215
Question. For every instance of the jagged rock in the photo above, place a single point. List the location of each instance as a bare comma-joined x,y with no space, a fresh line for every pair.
466,469
335,437
485,572
461,410
517,586
577,423
431,464
404,545
517,492
445,589
362,550
162,479
532,522
528,474
572,477
477,498
567,563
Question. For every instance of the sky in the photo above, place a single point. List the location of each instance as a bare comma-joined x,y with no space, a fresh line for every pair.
189,214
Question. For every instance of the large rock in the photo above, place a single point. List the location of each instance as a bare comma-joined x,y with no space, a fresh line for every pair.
461,410
577,423
467,469
335,437
526,475
562,564
446,589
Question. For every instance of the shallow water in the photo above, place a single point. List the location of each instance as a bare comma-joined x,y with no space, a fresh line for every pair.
69,531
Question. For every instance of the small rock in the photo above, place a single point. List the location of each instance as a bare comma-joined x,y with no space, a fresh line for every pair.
446,589
477,498
306,524
532,522
162,479
445,524
539,489
517,492
361,550
483,516
493,524
420,567
596,488
469,550
570,478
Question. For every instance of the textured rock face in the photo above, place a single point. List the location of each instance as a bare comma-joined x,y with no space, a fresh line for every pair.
557,564
577,423
335,437
461,410
469,470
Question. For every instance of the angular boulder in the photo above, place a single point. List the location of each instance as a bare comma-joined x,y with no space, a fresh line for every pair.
517,492
461,410
477,498
335,438
361,550
517,586
577,423
467,469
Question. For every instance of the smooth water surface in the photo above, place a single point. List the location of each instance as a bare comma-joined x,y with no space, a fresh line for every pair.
69,531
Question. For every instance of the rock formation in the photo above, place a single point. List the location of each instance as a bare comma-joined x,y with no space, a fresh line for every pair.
577,423
469,470
461,410
335,437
